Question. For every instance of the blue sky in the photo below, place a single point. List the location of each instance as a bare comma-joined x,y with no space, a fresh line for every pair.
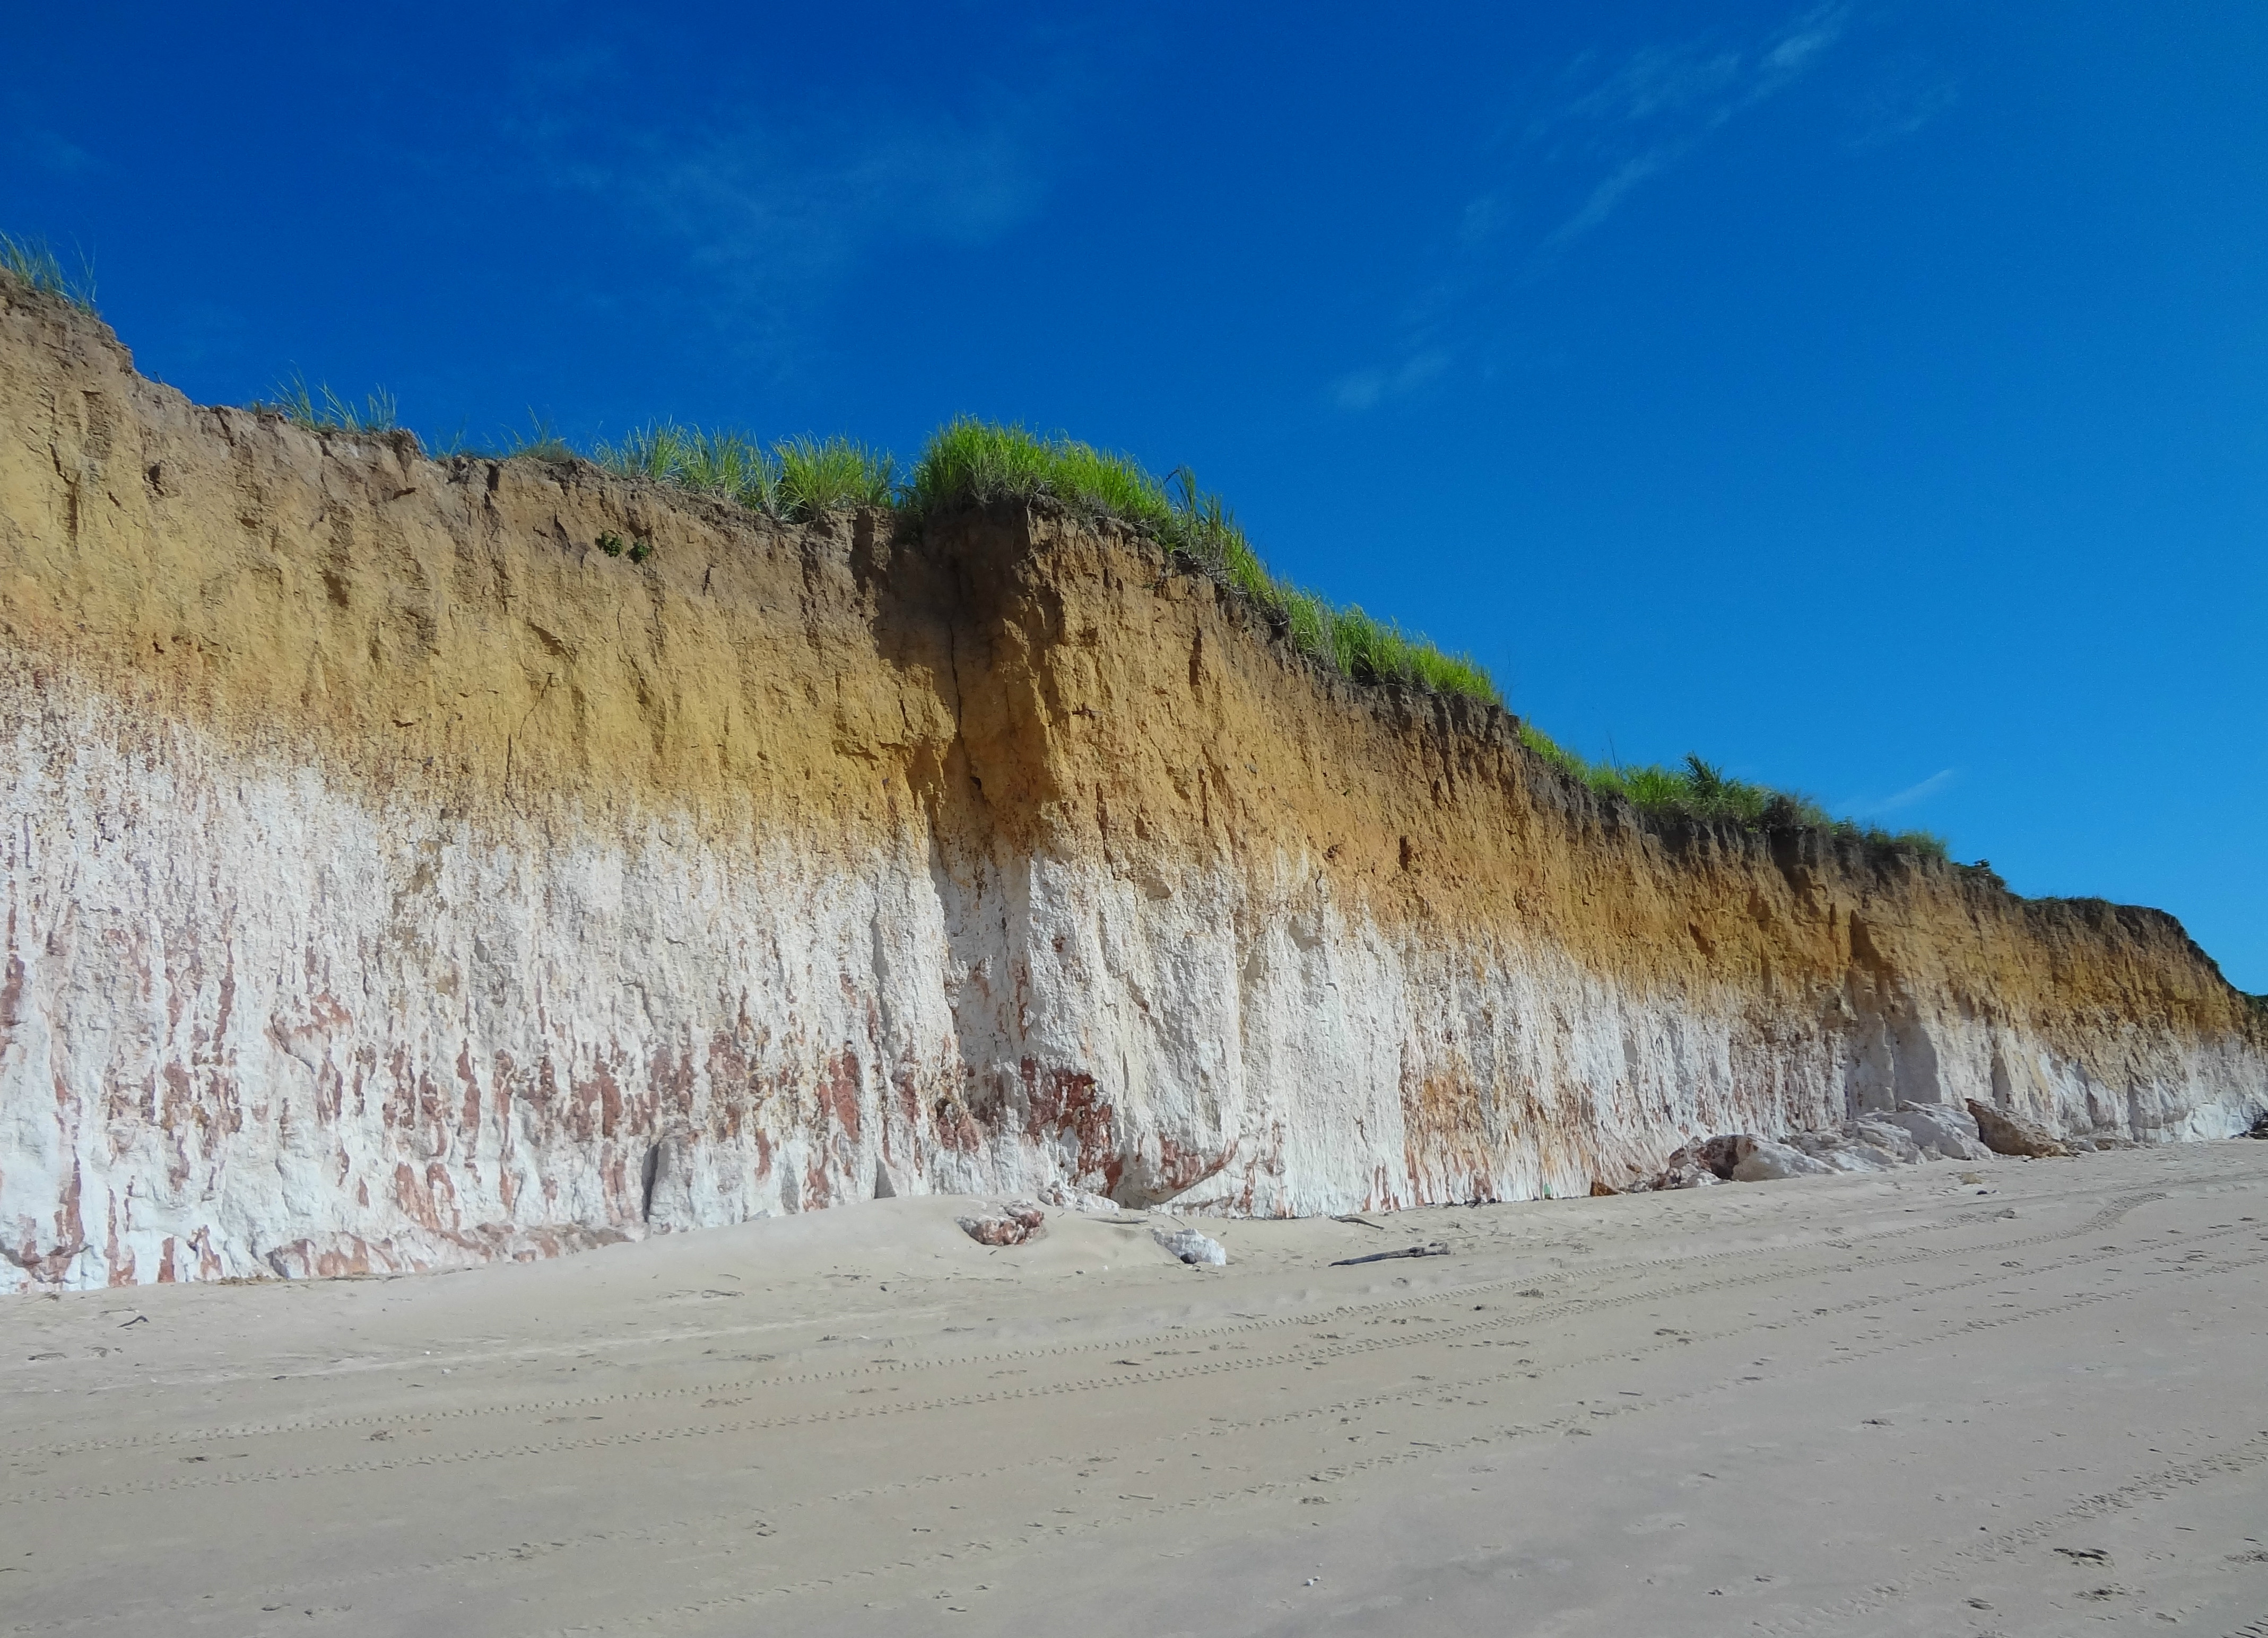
1871,397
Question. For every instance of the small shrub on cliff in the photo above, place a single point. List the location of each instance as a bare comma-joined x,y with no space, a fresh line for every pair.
35,264
1699,790
971,461
612,545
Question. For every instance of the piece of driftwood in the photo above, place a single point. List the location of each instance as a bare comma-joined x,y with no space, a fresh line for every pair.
1433,1249
1365,1222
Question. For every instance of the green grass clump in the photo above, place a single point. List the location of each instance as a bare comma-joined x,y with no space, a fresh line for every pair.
540,441
832,475
1698,790
1371,651
34,263
728,464
321,410
795,479
652,452
976,462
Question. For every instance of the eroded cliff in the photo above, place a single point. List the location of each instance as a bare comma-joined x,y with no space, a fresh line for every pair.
395,880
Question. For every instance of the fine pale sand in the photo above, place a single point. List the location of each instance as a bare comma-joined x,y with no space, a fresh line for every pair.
2032,1403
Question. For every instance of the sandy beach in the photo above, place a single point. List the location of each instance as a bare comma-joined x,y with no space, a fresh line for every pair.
1990,1397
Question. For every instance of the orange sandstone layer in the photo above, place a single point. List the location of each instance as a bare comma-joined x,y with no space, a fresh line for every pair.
395,880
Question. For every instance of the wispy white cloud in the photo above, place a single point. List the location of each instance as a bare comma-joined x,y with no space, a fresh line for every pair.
774,207
1611,129
776,211
1912,796
1906,94
51,151
1611,192
1648,84
1365,388
1669,99
1814,33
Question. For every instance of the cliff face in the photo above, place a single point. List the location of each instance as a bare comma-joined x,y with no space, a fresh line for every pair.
394,880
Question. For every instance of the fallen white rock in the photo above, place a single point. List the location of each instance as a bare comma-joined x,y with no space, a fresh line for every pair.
1833,1150
1941,1132
1071,1198
1769,1160
1191,1246
1876,1142
1891,1143
2007,1133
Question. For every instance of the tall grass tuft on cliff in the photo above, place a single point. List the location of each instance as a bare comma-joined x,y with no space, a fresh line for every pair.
35,263
833,475
970,462
319,409
794,478
540,441
728,464
1699,790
